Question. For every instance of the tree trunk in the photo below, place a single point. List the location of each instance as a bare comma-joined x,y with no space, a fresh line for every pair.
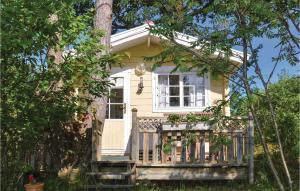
273,116
103,21
252,109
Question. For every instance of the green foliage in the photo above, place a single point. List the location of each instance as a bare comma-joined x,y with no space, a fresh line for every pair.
44,101
218,141
174,118
64,185
189,118
167,147
285,95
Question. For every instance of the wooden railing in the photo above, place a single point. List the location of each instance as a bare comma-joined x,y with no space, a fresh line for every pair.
153,144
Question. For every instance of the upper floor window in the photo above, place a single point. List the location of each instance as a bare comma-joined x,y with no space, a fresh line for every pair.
180,91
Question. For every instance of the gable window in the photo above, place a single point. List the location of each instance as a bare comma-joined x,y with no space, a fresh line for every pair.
180,91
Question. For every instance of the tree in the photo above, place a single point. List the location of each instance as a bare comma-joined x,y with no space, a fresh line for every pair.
285,98
43,127
222,25
103,20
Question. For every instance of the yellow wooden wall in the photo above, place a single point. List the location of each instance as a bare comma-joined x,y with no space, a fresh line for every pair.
143,102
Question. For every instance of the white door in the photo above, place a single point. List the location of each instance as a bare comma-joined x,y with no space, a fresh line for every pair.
116,127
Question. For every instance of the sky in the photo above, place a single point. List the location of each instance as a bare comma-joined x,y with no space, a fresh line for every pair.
265,61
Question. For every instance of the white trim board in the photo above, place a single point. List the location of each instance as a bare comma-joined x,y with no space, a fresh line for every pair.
140,34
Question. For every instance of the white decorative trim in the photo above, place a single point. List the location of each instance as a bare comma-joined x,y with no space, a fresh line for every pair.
141,33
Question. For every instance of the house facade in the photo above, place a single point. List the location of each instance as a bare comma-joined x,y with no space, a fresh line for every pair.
153,93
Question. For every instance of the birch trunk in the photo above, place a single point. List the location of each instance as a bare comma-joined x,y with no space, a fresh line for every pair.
273,116
252,109
103,21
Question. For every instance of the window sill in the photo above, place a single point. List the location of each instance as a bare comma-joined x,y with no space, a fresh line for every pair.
185,109
114,119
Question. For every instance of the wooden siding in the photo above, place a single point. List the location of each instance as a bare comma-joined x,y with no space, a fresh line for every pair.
144,102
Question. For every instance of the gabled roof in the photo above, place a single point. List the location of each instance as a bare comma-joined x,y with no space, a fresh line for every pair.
137,35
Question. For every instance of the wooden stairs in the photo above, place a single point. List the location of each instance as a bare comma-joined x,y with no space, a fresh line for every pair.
111,174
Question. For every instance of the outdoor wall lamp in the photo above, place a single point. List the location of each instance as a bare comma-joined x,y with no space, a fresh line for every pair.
140,86
140,70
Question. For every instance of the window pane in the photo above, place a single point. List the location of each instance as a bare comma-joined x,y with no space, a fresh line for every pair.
188,90
163,91
118,82
193,79
200,92
163,80
174,101
186,80
162,101
174,79
187,101
116,95
174,91
116,111
200,99
198,85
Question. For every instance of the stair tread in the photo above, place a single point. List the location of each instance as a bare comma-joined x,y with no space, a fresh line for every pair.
110,186
110,173
113,162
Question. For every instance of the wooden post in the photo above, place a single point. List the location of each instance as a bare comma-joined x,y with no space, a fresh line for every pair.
174,147
164,141
192,151
221,154
146,148
134,137
239,148
183,150
154,148
202,147
173,152
230,149
251,149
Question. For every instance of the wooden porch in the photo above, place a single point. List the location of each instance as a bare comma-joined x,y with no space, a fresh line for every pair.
193,161
161,151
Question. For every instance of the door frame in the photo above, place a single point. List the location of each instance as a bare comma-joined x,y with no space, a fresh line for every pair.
125,73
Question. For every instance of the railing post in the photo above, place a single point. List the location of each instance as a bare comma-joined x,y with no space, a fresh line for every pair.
239,152
202,147
251,149
134,136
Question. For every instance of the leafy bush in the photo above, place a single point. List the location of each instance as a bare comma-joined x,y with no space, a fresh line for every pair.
48,80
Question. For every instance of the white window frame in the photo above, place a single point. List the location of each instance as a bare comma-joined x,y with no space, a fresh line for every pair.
165,70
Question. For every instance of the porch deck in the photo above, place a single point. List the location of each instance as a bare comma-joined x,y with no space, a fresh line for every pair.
190,161
161,151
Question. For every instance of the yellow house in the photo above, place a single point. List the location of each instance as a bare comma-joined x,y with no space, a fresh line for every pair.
153,93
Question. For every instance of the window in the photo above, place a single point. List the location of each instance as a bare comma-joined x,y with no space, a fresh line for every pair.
115,103
180,91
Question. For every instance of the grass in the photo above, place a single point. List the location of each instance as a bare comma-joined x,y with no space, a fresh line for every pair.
205,186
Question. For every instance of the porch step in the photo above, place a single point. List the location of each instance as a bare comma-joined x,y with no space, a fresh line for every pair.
114,158
110,175
114,172
119,186
113,162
